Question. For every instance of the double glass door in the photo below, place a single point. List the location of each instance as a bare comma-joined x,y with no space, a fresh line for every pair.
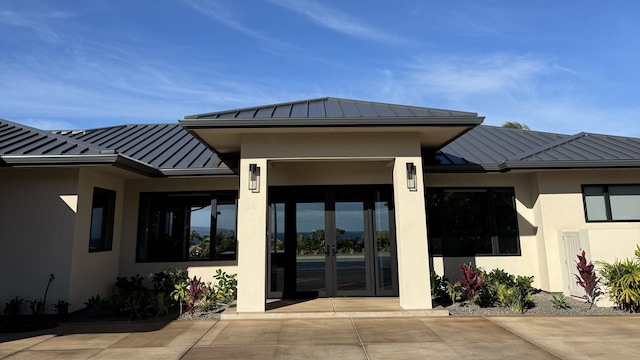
331,241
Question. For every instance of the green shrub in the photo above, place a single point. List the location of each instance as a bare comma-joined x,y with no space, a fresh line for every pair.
62,308
622,278
12,308
454,291
97,305
226,286
560,302
36,306
438,286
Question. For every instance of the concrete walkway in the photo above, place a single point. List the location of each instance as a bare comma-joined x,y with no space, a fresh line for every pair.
337,338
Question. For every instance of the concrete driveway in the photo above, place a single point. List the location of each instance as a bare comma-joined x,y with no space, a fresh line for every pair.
339,338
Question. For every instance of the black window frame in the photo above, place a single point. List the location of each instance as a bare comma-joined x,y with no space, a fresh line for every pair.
492,218
163,205
104,199
607,203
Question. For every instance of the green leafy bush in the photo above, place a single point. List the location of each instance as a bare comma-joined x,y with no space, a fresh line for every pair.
438,286
12,308
560,302
622,278
454,291
36,306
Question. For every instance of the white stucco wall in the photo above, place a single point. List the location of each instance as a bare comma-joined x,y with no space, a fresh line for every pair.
37,219
94,273
563,210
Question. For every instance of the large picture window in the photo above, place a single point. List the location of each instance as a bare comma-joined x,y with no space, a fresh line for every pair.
185,226
611,202
472,221
102,215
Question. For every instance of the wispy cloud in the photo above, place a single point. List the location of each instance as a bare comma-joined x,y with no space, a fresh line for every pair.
221,13
37,22
503,87
337,20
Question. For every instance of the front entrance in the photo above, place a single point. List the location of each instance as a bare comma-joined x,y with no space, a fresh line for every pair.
331,241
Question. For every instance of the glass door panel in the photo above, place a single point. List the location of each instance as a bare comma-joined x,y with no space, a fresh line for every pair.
350,247
382,234
276,249
310,247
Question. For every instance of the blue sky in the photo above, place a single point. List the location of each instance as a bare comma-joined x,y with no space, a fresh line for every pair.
558,66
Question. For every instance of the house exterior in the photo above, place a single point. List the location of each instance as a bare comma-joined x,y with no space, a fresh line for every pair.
324,197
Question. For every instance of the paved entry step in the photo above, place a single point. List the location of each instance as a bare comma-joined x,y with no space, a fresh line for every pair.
333,308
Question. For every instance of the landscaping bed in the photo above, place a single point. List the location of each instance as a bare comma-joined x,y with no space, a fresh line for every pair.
543,307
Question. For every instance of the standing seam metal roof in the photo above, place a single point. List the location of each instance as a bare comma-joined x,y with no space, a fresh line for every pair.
331,108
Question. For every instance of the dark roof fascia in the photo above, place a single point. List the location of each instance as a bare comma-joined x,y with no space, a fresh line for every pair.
199,172
571,164
118,160
465,169
194,124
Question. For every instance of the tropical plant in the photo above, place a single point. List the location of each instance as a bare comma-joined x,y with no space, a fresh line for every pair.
226,286
195,288
438,286
622,278
471,281
97,305
12,308
515,125
159,303
454,290
587,279
180,294
560,302
36,306
62,308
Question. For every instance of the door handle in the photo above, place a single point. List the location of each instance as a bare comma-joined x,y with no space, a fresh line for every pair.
328,250
333,248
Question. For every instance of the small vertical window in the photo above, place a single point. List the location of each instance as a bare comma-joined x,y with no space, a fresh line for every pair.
102,215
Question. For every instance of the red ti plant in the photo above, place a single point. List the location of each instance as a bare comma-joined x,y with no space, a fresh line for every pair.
195,288
587,279
471,281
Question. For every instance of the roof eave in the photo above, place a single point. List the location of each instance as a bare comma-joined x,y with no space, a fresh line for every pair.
118,160
572,164
231,123
198,172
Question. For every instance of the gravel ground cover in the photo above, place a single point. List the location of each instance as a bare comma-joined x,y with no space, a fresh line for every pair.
543,307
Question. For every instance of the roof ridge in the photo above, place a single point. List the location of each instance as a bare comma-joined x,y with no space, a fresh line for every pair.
50,134
339,101
547,147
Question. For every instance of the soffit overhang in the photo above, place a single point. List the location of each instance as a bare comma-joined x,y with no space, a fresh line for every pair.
224,137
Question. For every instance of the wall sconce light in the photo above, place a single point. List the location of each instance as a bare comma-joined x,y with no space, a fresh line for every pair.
411,177
254,178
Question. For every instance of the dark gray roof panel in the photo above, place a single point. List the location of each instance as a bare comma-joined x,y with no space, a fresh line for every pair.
330,108
18,139
500,149
162,146
492,145
590,147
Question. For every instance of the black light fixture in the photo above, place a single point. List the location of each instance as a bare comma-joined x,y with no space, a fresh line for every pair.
411,177
254,177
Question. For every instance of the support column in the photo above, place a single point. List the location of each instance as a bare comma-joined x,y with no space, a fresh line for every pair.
411,235
252,230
